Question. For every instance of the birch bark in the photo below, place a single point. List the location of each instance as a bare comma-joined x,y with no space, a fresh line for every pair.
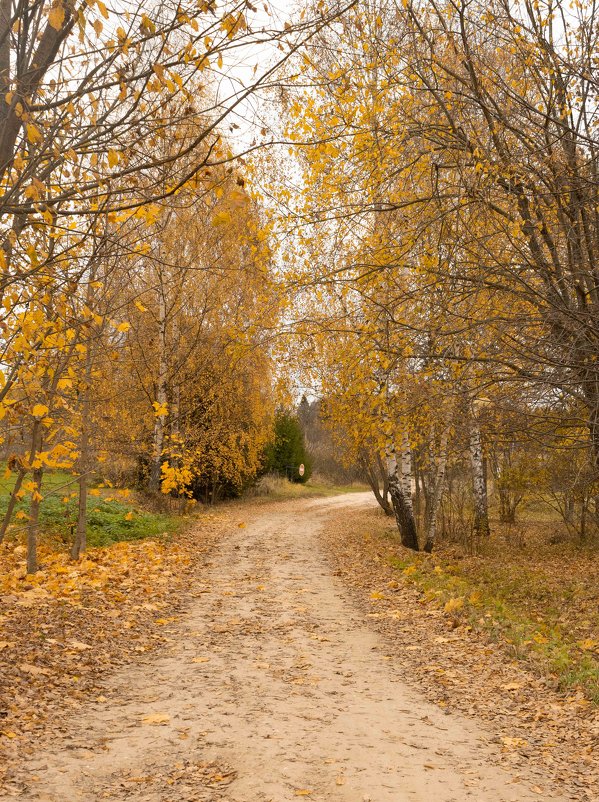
399,475
434,501
479,482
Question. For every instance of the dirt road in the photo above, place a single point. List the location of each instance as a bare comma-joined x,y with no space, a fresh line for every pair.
272,688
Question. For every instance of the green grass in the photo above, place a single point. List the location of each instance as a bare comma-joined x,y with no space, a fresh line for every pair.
546,618
111,518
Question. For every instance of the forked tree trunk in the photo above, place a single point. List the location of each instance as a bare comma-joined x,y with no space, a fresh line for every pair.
374,482
387,506
479,481
402,505
434,501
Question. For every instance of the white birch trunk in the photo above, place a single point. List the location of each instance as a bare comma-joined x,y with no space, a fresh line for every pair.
479,484
406,470
432,509
402,501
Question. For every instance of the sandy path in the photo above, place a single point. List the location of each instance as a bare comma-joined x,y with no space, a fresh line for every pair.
272,687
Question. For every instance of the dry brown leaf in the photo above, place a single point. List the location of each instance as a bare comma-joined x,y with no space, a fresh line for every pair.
35,670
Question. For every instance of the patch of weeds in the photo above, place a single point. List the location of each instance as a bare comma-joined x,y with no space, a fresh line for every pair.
516,606
111,517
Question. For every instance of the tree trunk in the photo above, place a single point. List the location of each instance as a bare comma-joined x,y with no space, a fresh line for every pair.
388,506
156,469
19,480
508,503
12,502
404,514
481,506
432,508
34,514
406,470
373,480
80,542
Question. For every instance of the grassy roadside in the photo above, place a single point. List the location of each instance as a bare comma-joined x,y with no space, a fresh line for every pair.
271,488
539,600
113,514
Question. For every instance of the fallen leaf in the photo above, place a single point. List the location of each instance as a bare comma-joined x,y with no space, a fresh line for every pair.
79,645
156,718
454,604
513,742
31,669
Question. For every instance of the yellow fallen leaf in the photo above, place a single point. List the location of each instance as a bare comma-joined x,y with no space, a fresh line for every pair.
513,742
201,660
303,792
340,781
376,595
156,718
454,604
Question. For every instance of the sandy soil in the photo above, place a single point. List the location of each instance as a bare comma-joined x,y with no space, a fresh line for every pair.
272,688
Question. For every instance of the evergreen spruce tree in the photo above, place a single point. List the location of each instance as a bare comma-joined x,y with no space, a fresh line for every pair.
288,450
